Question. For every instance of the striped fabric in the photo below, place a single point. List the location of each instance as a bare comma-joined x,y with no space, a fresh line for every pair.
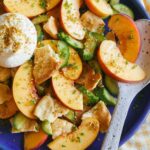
141,140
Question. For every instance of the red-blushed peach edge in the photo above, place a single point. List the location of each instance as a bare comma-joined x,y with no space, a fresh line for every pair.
111,74
136,28
58,98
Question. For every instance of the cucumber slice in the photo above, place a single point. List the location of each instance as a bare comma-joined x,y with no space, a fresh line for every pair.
92,98
111,85
69,40
104,95
121,8
71,116
90,46
46,127
40,19
19,120
64,53
21,123
113,2
93,39
40,34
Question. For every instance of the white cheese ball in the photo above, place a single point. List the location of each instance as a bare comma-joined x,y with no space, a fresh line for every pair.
18,39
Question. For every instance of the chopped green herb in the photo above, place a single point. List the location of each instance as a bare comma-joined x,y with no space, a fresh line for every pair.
117,19
78,139
75,67
63,145
56,78
74,128
33,102
130,37
67,5
26,67
19,102
127,62
70,65
134,66
74,91
37,128
43,3
32,5
82,134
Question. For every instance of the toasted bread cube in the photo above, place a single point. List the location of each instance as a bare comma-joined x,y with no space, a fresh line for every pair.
49,109
46,62
101,113
92,22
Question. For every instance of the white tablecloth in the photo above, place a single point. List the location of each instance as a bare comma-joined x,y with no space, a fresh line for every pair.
141,139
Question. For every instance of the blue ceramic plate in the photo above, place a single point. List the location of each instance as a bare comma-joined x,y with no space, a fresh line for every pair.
136,115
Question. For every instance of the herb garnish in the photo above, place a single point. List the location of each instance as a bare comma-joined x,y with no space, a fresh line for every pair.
78,139
63,145
134,66
43,3
33,102
82,134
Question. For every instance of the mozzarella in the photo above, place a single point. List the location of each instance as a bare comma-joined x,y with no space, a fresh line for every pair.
18,39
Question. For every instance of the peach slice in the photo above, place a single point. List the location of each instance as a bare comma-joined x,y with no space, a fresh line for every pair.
110,36
129,38
8,109
29,8
34,140
99,7
52,3
74,68
79,139
5,93
115,65
70,19
66,92
24,91
89,78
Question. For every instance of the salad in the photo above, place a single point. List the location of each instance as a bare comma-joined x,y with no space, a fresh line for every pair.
60,67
